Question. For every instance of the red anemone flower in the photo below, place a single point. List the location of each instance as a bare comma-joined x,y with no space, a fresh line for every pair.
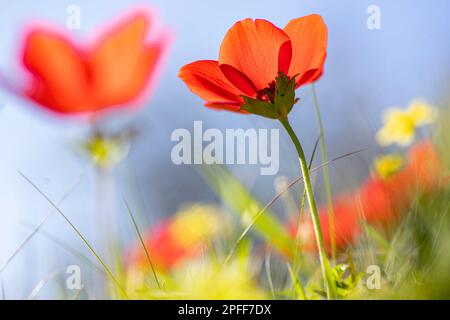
252,56
165,249
115,71
379,202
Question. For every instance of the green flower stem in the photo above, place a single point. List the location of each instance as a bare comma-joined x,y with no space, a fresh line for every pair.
326,177
325,266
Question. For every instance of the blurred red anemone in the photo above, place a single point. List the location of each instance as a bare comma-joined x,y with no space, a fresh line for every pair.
115,71
251,56
176,239
379,201
165,249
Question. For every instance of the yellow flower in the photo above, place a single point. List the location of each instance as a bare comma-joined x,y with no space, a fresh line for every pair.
218,281
387,165
196,224
205,279
400,124
105,152
422,113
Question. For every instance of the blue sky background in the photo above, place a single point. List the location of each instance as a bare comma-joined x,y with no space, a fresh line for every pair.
366,72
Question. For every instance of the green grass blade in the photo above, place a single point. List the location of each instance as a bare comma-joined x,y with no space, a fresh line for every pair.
147,255
268,269
20,247
229,188
42,283
239,200
299,290
67,248
108,271
326,177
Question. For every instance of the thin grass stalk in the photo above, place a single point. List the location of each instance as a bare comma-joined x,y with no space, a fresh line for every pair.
326,176
77,231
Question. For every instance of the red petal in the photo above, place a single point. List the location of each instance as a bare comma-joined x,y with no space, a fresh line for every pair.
71,81
60,78
285,57
123,63
309,45
239,79
253,48
205,79
234,107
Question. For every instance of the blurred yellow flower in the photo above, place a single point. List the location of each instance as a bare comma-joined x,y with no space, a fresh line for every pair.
217,281
105,152
196,224
206,279
140,284
422,113
400,124
387,165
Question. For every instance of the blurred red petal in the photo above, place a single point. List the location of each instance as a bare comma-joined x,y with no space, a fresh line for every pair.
115,72
60,77
122,64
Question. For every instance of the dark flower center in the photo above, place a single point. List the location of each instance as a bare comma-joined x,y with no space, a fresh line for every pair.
267,94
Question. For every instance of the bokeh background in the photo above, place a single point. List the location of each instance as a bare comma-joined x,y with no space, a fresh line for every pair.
366,71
